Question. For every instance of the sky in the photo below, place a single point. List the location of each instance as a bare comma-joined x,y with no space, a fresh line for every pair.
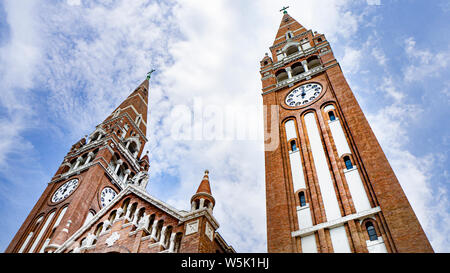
65,65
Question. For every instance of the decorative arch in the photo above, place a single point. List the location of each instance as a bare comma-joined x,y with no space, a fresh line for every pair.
364,227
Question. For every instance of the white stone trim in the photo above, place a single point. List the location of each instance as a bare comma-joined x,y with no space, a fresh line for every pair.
335,223
182,217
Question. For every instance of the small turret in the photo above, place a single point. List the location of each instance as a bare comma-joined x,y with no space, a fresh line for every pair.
203,197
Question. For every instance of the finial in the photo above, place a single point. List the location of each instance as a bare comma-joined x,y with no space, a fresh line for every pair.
206,172
284,9
149,74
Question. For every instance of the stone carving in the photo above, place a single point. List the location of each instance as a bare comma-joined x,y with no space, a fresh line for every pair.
112,239
209,231
139,177
90,239
192,227
144,221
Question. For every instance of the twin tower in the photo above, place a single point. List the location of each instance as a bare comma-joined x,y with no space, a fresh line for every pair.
329,186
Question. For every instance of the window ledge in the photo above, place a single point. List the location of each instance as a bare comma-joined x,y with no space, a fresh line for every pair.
299,208
351,170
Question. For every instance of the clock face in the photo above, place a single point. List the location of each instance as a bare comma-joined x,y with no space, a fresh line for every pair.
65,190
107,196
303,95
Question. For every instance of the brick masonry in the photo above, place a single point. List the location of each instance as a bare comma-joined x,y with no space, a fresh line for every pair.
396,223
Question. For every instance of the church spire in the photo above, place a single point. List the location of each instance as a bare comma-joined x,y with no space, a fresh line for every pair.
287,25
203,197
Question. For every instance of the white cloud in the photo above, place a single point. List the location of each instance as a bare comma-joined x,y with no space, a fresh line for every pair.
351,60
423,62
73,2
18,57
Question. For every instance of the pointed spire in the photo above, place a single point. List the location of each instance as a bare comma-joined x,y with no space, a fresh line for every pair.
287,24
204,185
203,197
136,105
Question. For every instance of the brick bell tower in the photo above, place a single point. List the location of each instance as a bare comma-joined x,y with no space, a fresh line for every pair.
329,186
94,171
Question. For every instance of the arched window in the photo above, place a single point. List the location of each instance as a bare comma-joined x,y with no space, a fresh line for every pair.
132,148
55,225
112,216
371,231
206,204
99,229
301,197
332,116
297,69
313,62
158,229
348,163
125,206
177,245
140,214
138,120
132,211
294,146
197,204
41,232
150,223
289,35
292,50
281,75
30,235
167,235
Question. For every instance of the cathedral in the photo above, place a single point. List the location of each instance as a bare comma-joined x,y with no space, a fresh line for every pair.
329,186
97,202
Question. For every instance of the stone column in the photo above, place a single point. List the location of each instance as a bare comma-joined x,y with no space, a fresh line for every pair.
127,216
289,72
119,162
90,156
77,163
305,65
127,173
172,242
155,223
135,217
163,235
106,225
202,203
118,214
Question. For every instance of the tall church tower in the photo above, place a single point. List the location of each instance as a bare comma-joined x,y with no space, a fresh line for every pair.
329,186
94,171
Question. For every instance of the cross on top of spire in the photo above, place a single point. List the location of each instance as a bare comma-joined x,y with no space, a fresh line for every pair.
284,9
149,74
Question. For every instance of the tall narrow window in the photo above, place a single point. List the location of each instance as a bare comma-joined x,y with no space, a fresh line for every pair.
301,197
332,116
293,146
371,231
348,163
